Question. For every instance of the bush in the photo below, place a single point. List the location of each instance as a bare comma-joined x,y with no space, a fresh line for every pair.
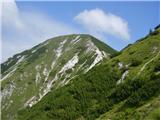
154,33
69,71
115,54
131,52
30,82
157,67
123,91
52,73
149,89
135,62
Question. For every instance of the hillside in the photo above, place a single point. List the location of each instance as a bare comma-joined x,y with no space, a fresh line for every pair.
126,87
28,76
138,89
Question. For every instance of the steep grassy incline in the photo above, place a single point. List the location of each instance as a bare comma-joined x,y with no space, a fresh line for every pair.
124,88
137,95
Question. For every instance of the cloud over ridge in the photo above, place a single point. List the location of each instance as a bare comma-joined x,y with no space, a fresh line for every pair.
96,20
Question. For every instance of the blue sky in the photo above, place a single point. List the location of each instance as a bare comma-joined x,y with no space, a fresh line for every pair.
33,22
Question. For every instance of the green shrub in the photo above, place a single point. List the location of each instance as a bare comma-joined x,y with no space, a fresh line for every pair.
154,33
115,54
135,62
149,89
123,91
157,67
30,82
69,71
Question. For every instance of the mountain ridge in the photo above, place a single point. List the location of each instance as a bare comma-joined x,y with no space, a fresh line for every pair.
28,76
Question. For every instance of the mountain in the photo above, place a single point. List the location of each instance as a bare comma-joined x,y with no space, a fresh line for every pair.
29,76
126,87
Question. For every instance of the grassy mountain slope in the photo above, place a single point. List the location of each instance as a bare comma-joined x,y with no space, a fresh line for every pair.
127,87
28,76
138,100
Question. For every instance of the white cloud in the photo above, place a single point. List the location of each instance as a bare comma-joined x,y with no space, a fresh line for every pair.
98,21
22,30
